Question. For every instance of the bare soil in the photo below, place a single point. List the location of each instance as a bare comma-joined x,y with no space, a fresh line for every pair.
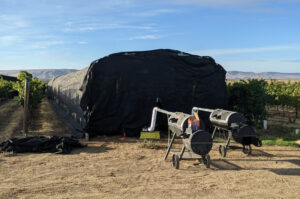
11,117
109,168
45,122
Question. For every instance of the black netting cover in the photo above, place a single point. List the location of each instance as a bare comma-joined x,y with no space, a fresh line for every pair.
120,90
9,78
40,144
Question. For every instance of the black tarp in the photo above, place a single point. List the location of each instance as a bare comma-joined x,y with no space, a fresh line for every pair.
9,78
40,144
120,90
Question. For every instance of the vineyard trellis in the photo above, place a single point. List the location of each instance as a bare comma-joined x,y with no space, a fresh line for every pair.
284,94
252,96
9,89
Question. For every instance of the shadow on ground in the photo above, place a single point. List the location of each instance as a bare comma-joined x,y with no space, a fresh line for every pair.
93,149
228,165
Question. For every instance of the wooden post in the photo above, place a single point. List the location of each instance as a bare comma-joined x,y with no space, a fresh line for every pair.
26,102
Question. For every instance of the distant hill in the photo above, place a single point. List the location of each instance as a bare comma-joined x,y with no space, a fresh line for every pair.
47,74
44,74
237,75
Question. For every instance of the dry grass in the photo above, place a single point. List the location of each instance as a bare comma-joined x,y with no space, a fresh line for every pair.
150,144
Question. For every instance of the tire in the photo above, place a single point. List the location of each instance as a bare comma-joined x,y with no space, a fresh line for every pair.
247,150
175,161
222,151
206,161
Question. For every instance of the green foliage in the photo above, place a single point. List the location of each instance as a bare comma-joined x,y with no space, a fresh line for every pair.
278,142
284,94
37,89
248,97
6,88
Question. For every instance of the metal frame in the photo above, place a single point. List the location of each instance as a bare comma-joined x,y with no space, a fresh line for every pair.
184,154
223,148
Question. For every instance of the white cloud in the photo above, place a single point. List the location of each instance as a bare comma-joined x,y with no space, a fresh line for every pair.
46,44
7,39
111,26
291,60
43,52
220,2
250,6
13,21
82,42
152,13
227,51
143,37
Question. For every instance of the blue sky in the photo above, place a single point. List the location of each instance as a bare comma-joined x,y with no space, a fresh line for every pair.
244,35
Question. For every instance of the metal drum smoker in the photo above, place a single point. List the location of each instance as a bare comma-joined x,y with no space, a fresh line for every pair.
234,124
197,142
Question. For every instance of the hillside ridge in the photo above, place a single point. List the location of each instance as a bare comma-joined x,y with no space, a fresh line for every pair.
48,74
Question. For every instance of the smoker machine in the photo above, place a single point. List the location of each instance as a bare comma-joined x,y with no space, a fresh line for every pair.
197,143
234,125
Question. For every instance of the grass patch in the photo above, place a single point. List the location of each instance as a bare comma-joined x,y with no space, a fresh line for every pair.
150,144
275,135
278,132
219,138
278,135
278,142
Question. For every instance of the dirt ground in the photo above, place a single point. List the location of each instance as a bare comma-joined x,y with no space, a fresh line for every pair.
109,168
11,116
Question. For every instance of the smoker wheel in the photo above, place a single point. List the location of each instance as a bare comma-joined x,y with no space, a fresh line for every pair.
175,161
259,143
222,151
206,160
247,149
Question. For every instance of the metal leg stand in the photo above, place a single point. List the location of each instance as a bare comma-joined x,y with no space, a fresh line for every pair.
228,140
181,153
169,136
223,149
169,147
213,135
169,132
